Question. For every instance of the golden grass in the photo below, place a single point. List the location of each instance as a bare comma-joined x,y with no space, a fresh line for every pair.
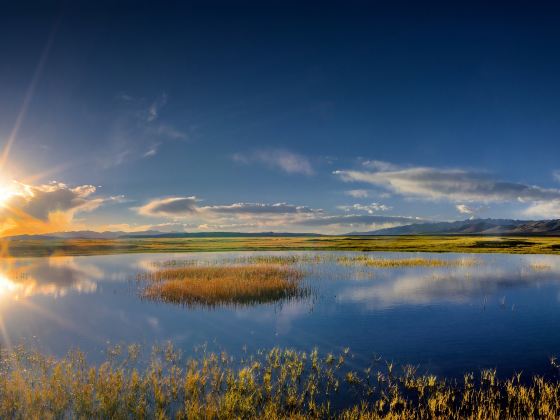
472,244
277,384
405,262
223,285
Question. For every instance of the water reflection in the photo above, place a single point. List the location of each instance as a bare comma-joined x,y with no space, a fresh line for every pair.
425,286
53,276
419,315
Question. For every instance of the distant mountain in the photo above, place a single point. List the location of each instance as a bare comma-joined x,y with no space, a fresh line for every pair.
475,227
88,234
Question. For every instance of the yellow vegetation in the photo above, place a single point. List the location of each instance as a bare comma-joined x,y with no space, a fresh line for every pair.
406,262
276,384
223,285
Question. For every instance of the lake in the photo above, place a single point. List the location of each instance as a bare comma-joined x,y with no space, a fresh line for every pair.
501,312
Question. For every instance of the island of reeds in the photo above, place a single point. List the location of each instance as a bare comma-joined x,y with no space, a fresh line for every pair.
276,384
223,285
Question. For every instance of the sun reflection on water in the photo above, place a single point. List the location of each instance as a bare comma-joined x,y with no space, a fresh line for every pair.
55,276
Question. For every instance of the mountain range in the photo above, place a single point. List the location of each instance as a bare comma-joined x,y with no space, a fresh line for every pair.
90,234
462,227
475,227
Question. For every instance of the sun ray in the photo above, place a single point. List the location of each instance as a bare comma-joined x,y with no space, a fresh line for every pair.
4,154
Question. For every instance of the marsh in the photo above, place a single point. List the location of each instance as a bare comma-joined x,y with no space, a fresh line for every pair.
456,313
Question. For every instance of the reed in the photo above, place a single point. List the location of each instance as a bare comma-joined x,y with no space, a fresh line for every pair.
406,262
221,285
277,384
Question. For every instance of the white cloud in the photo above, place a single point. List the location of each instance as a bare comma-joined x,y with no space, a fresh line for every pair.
368,208
265,216
42,200
454,185
284,160
556,175
258,208
545,209
357,193
188,206
379,165
45,208
464,209
360,220
170,207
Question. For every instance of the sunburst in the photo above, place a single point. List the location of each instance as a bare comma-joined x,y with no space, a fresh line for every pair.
7,191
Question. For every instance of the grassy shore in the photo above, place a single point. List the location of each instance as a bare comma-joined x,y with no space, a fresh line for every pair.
474,244
222,285
280,383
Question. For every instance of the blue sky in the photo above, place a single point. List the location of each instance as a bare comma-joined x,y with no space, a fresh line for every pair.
303,116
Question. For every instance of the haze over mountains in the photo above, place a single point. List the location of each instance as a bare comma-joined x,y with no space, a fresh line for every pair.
90,234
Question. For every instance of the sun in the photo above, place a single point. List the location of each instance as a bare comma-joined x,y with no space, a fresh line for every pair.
7,191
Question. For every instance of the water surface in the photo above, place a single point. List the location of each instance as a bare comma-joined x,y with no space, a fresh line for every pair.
502,312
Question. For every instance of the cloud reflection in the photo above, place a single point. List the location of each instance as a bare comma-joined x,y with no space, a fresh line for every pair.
424,286
54,276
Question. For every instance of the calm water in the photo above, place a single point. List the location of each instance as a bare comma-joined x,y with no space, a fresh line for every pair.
503,312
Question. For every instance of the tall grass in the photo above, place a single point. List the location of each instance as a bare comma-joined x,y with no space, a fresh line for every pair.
280,383
406,262
224,285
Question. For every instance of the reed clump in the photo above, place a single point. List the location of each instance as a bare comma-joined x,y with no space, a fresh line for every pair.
282,259
277,384
302,258
406,262
224,285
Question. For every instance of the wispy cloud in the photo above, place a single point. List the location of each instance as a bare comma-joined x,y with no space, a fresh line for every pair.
556,175
284,160
155,107
138,131
357,193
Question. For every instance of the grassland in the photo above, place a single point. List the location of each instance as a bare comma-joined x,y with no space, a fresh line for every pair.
474,244
223,285
277,384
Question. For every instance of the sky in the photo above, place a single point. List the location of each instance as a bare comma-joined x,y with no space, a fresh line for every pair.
305,116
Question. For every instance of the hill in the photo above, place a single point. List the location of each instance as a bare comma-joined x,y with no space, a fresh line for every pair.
474,227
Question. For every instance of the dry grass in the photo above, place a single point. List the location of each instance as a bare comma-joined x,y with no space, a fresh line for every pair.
224,285
406,262
278,384
472,244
